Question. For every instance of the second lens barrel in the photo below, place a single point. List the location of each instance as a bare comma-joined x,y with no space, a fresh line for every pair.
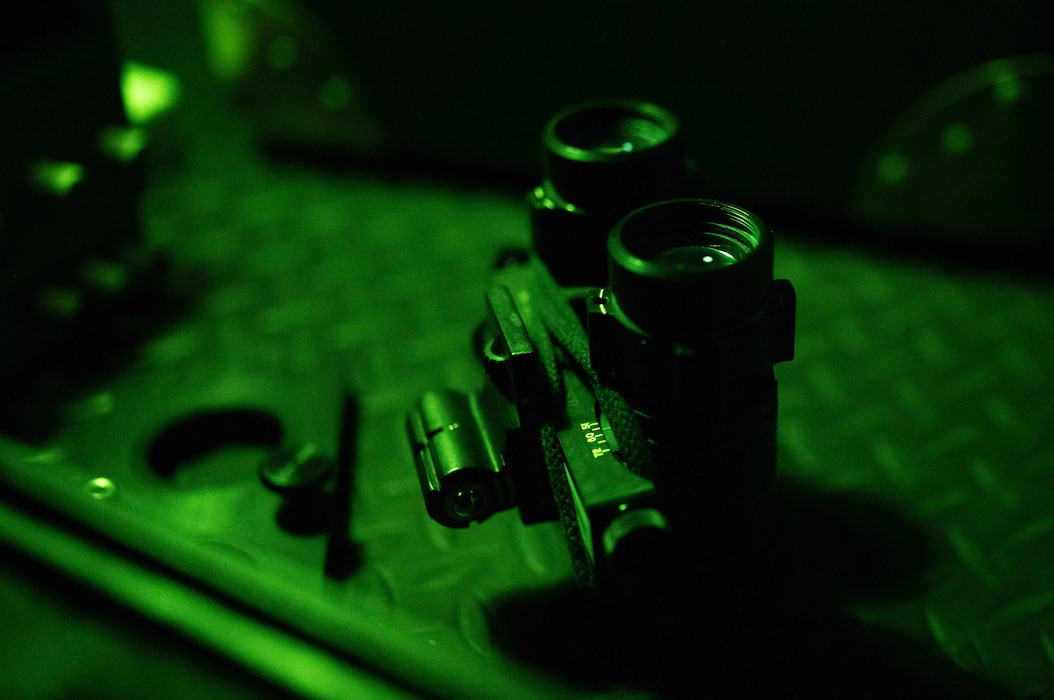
687,331
602,160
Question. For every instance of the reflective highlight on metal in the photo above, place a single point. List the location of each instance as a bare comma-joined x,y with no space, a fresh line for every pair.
148,92
713,258
101,488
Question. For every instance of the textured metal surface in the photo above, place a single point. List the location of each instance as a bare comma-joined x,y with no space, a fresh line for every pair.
301,283
923,389
931,388
309,282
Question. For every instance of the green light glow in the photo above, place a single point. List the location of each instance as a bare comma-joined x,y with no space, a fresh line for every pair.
57,177
1007,88
892,167
105,275
60,302
957,138
335,93
282,53
548,202
122,143
147,92
228,38
100,488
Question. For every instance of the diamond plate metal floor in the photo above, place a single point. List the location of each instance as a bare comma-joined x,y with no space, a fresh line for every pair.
917,413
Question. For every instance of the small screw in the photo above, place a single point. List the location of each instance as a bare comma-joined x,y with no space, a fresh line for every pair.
101,488
301,477
296,471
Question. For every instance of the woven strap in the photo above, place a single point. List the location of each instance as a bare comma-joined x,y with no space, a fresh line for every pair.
559,336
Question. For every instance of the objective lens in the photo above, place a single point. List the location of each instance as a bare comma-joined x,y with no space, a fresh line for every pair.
685,265
608,158
704,249
689,235
612,130
713,246
688,256
467,502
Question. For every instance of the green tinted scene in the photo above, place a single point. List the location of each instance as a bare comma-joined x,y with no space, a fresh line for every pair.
334,364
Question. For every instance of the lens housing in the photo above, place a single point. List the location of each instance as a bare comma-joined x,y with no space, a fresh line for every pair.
615,153
602,160
690,267
691,321
687,332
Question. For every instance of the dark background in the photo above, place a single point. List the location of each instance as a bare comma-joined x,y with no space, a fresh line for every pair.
329,191
789,106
